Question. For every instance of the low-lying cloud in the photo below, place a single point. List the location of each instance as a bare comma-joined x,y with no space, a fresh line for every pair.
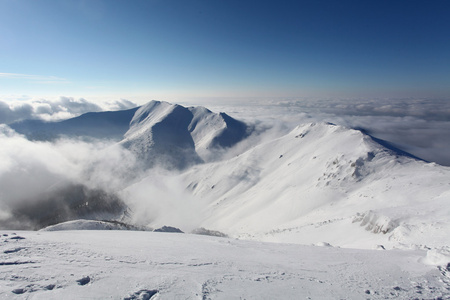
42,175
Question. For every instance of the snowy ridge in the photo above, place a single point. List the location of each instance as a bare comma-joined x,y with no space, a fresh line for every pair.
323,182
158,134
176,137
101,125
90,225
212,131
320,183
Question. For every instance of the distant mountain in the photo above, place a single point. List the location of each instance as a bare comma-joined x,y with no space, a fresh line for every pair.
213,131
105,125
159,133
176,137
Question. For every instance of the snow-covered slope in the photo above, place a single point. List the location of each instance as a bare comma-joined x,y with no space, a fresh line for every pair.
176,137
146,265
320,183
82,224
38,192
211,131
159,135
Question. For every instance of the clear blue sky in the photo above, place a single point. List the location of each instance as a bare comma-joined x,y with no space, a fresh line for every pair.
224,48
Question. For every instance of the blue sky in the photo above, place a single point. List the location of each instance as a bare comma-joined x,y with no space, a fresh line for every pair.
212,48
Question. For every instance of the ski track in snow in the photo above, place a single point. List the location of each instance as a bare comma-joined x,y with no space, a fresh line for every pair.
145,265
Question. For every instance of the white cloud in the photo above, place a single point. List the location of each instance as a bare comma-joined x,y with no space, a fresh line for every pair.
38,78
31,172
121,104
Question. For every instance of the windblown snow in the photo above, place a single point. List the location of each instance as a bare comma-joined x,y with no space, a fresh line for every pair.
324,186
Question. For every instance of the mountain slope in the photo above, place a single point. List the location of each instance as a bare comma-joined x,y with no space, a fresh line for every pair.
105,125
212,131
321,182
318,183
176,137
117,264
159,133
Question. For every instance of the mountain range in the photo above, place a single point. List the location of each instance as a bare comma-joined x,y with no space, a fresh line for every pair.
320,183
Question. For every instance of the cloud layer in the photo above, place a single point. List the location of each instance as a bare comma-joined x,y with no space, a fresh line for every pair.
37,174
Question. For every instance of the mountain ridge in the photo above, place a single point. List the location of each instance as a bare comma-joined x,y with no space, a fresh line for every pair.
297,187
106,124
177,137
320,182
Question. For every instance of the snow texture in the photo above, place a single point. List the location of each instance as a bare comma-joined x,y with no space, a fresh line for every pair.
149,265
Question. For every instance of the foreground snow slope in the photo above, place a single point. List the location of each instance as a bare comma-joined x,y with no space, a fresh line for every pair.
319,183
137,265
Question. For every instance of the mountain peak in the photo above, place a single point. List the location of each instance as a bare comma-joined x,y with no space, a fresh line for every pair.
174,136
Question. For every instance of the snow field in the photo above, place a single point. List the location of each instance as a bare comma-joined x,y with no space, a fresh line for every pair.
139,265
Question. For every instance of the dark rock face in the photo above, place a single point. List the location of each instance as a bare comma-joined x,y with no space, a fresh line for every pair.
168,229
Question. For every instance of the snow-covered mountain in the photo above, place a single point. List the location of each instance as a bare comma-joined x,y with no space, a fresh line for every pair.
104,125
173,136
209,174
320,182
157,134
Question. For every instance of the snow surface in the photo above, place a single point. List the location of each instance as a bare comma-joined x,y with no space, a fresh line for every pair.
139,265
